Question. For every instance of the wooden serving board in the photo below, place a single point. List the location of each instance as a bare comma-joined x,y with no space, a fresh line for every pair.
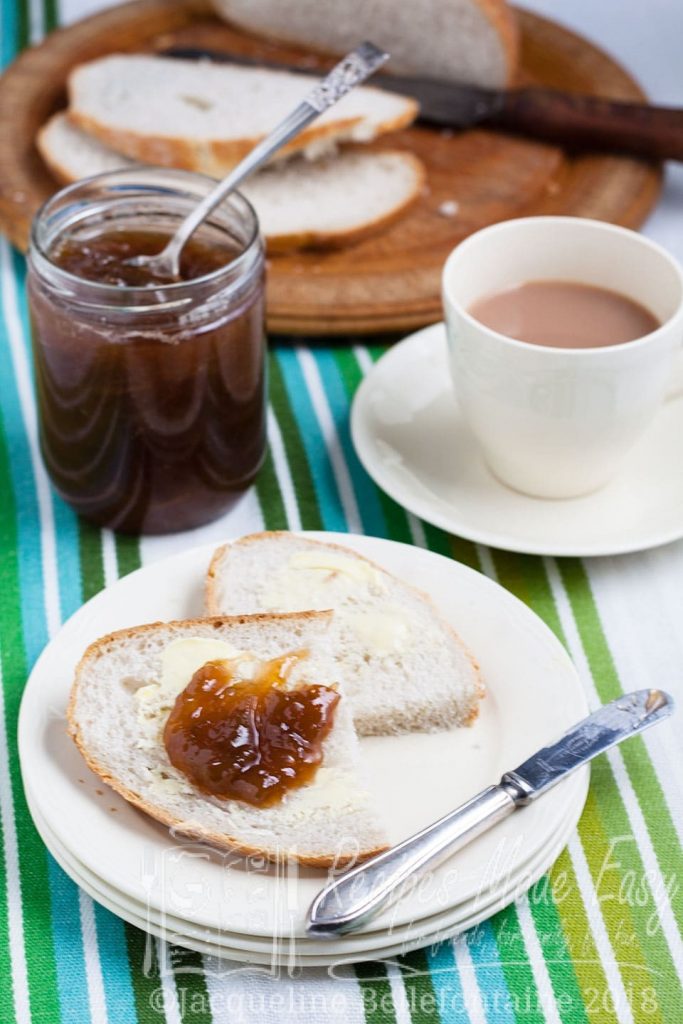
389,281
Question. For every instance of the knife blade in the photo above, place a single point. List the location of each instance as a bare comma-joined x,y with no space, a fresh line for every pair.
356,896
566,119
611,724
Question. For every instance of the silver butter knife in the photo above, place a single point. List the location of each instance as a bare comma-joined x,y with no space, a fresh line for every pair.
356,896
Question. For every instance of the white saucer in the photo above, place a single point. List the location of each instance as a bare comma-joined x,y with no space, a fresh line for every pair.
534,695
411,438
306,952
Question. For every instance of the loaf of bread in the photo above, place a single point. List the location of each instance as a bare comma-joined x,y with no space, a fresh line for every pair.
473,41
205,117
119,705
405,669
324,203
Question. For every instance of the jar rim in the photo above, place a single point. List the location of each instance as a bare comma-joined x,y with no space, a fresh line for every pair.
154,181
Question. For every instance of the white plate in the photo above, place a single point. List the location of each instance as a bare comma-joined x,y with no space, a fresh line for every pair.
361,945
352,949
534,694
411,438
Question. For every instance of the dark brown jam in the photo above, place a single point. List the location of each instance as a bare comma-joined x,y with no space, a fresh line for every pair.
105,257
152,414
249,740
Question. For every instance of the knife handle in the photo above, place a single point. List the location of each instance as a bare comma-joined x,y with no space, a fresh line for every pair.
347,903
594,123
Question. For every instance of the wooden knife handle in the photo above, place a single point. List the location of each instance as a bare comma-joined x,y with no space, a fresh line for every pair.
594,123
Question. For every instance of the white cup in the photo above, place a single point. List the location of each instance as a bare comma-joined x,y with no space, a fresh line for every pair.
557,422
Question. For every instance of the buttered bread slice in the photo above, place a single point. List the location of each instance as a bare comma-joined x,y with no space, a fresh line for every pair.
131,687
405,669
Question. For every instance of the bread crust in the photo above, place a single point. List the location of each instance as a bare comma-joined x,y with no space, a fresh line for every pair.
212,604
498,13
220,840
315,239
503,19
43,147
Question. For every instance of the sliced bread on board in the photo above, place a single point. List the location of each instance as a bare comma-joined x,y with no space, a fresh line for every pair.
405,668
326,203
122,695
471,41
205,117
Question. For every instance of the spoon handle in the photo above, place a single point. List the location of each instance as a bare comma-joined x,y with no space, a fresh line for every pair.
349,72
356,896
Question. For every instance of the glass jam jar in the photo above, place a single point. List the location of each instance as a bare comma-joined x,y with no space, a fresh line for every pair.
151,395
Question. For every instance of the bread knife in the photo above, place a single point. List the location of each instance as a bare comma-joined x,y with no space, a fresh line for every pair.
355,897
566,119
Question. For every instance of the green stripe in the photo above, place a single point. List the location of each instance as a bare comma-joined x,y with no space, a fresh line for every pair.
632,918
550,929
376,994
579,939
33,867
127,553
144,975
437,540
92,561
193,995
628,952
603,821
269,496
394,515
641,771
525,577
417,981
50,15
304,488
23,24
517,971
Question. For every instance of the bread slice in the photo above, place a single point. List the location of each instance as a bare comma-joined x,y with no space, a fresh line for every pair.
205,117
405,669
336,200
330,202
471,41
330,821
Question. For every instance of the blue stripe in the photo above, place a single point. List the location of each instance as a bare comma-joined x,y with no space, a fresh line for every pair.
118,988
493,990
28,518
67,935
366,493
8,31
311,435
483,949
445,978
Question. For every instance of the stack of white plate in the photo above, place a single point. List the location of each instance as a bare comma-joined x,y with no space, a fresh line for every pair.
246,909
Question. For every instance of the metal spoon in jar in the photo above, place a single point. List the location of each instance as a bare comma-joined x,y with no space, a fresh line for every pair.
349,72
